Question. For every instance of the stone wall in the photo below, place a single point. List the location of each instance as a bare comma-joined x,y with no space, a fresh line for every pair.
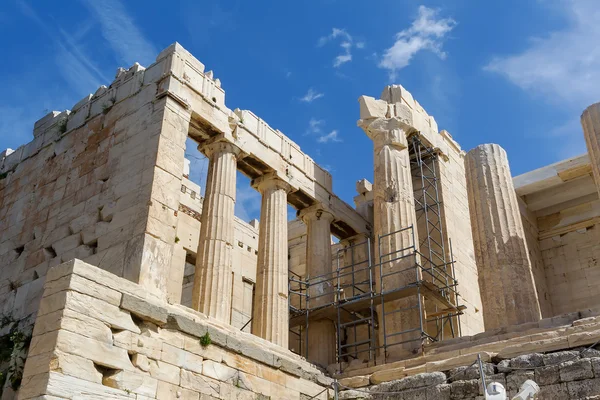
562,375
453,193
109,338
573,268
99,183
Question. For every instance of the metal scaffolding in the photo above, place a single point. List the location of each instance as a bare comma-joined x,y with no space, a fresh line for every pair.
357,297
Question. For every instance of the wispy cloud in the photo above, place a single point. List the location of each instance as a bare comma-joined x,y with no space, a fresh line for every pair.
330,137
564,65
121,33
314,126
427,32
72,61
346,43
311,96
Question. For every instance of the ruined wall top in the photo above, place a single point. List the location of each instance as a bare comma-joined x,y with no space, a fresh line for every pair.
398,103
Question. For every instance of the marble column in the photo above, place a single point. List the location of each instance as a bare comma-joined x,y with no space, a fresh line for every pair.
270,318
506,280
321,333
213,278
394,209
590,121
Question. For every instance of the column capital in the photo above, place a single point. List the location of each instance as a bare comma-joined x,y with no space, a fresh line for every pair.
387,131
270,180
221,145
316,212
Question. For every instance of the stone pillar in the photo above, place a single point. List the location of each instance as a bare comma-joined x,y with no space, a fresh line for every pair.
394,209
270,320
505,276
590,121
321,333
213,279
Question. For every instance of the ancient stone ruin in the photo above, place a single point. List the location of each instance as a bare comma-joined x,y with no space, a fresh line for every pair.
119,281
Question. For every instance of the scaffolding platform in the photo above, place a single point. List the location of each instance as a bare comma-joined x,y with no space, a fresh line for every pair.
362,304
414,264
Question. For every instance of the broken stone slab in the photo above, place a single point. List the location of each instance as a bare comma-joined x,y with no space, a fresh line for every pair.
355,381
145,309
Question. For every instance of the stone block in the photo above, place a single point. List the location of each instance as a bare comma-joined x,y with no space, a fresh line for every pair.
144,309
576,370
168,391
527,361
547,375
131,381
583,389
464,389
165,372
469,373
100,353
554,392
199,383
372,108
182,358
515,379
355,381
559,357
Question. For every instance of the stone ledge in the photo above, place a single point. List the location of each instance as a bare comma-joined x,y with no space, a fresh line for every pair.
109,336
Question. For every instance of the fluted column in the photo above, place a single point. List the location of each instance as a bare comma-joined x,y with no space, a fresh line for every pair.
213,278
270,320
506,280
321,333
394,209
590,121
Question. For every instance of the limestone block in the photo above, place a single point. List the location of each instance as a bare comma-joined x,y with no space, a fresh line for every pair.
142,362
73,322
100,310
99,352
72,365
372,108
67,387
547,375
131,381
181,358
144,309
84,286
576,370
199,383
168,391
554,392
559,357
355,381
165,372
584,389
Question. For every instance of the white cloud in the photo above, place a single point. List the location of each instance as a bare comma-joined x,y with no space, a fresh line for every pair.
330,137
314,126
347,43
563,65
120,31
311,96
427,32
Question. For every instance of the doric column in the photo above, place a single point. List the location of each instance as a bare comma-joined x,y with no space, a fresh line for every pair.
270,320
590,121
213,278
394,210
505,276
321,333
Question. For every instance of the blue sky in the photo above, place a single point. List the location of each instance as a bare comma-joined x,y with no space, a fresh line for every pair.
513,72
